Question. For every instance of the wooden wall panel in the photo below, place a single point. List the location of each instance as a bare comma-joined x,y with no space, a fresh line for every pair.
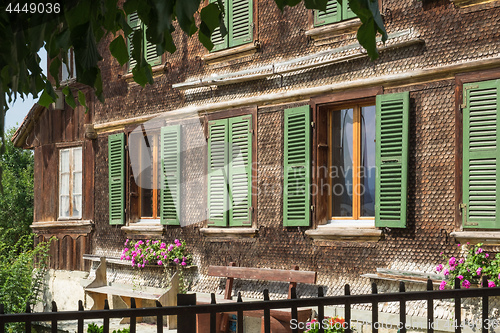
50,191
88,180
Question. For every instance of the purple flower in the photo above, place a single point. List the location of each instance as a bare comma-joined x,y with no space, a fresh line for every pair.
139,265
498,276
441,286
171,247
491,284
452,261
478,271
125,249
439,268
176,241
127,257
466,284
184,258
460,277
461,261
458,245
160,262
122,257
176,260
480,250
178,244
486,255
126,242
446,272
183,263
163,245
143,265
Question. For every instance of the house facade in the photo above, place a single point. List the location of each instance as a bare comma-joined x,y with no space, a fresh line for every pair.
285,145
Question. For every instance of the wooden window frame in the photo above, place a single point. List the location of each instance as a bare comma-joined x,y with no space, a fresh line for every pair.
319,106
70,189
356,202
229,114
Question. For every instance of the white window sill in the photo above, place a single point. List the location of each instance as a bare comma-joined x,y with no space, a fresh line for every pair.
349,224
231,233
353,234
330,32
474,237
144,229
232,53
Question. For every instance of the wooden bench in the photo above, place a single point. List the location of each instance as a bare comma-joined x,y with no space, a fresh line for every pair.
280,318
99,290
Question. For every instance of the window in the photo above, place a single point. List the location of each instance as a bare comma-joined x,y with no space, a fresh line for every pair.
352,162
360,158
148,50
69,72
230,171
238,19
481,155
70,183
336,11
154,187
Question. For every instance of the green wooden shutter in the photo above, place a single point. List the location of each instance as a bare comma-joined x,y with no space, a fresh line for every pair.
170,141
240,22
240,170
332,14
218,179
297,165
391,159
152,56
116,169
221,43
135,24
481,168
347,12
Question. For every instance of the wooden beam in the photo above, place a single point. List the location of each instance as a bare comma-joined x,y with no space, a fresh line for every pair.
263,274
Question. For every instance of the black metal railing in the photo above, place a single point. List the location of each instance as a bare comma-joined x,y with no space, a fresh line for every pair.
187,309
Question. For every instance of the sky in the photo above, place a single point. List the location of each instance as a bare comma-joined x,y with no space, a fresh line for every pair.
17,111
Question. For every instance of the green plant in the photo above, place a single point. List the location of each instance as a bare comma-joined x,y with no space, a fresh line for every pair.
470,269
22,275
329,324
156,252
93,328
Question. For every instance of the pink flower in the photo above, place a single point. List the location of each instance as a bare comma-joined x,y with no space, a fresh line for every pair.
452,261
127,257
139,265
480,250
126,242
491,284
478,271
176,260
160,262
486,255
183,263
171,247
122,257
468,243
184,258
125,249
163,245
441,286
460,277
446,272
176,241
458,245
498,276
461,261
466,284
143,265
439,268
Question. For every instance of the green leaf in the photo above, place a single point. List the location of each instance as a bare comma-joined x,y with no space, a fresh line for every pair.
118,49
48,96
210,16
54,68
315,4
185,10
367,38
131,6
69,98
81,99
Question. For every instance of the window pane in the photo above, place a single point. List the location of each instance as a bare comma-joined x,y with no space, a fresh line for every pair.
146,177
64,206
77,159
77,206
342,157
77,183
64,161
367,161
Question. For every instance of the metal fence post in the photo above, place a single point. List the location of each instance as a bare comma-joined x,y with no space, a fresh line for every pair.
430,309
458,309
321,310
28,323
485,324
186,321
240,315
347,309
133,319
375,323
2,324
293,295
54,322
80,320
402,309
159,320
267,314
